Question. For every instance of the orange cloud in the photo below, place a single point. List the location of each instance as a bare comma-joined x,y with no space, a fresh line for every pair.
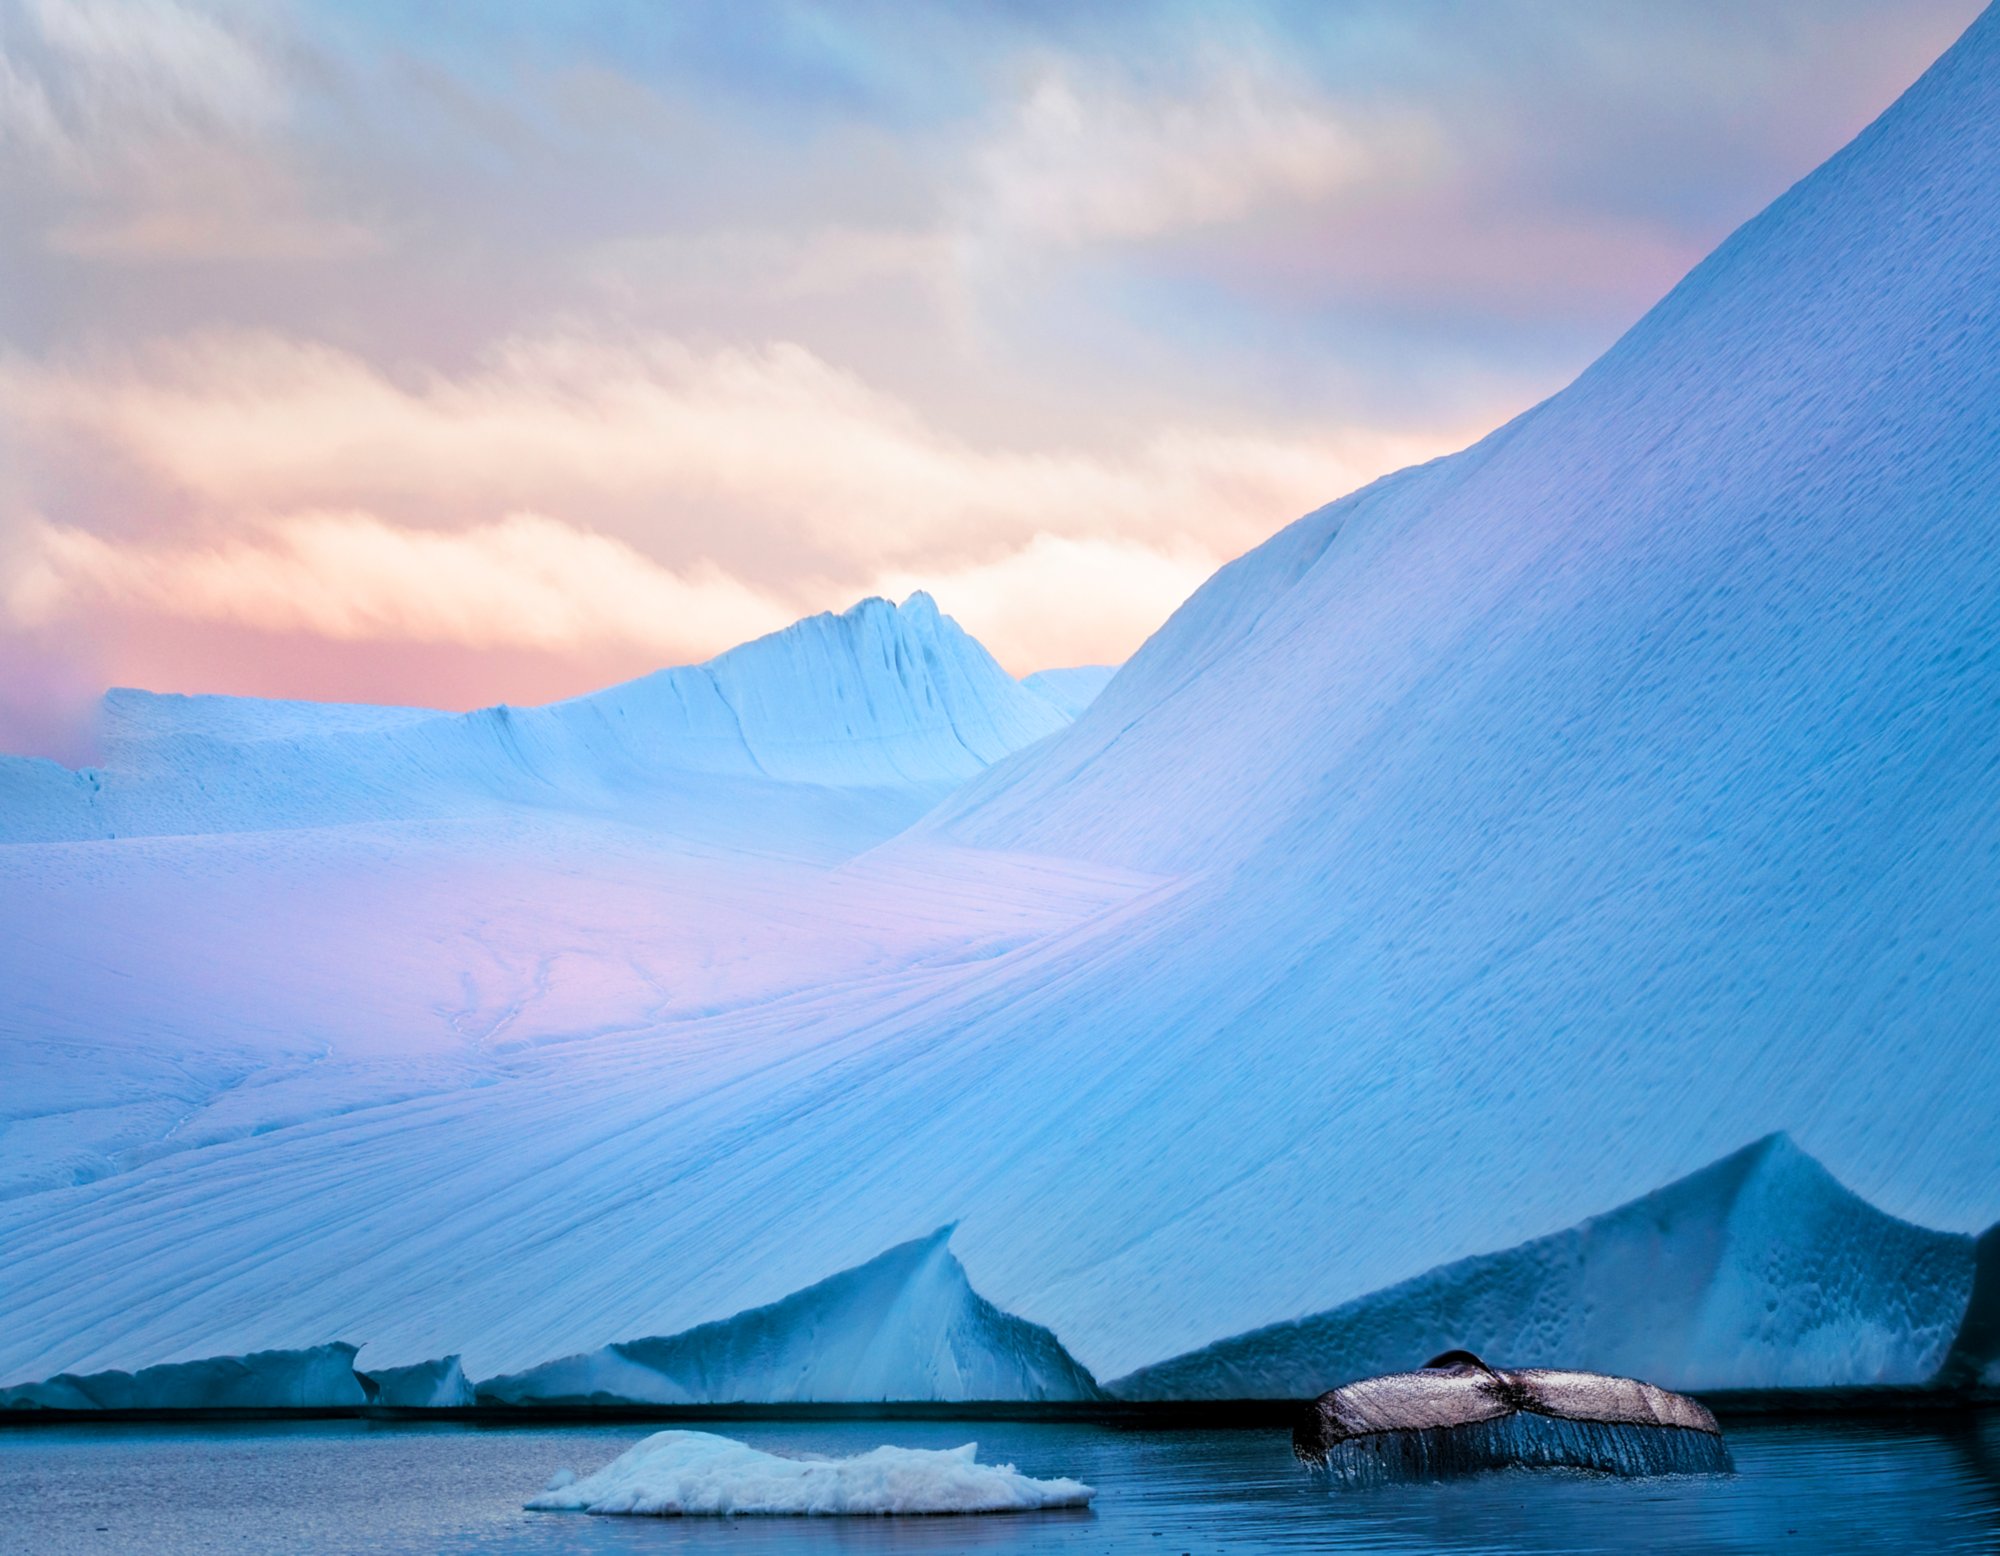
523,582
572,490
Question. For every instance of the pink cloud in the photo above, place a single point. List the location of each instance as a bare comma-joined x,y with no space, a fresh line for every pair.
635,499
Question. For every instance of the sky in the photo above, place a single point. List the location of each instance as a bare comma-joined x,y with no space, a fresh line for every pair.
487,351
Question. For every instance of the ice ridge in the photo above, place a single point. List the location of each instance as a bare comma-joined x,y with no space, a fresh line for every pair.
1760,1271
906,1325
880,696
320,1377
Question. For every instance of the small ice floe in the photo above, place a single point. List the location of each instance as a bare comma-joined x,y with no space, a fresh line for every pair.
1459,1415
692,1474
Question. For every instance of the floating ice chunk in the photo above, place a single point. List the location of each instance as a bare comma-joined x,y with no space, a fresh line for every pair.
687,1474
321,1378
906,1325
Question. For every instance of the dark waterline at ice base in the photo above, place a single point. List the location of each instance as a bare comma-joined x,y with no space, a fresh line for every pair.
1915,1485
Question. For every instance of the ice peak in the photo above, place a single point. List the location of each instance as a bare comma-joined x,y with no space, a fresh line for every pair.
905,1325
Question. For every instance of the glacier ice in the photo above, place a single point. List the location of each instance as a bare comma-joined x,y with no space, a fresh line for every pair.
882,697
319,1378
691,1474
1071,689
197,983
1503,842
904,1326
431,1385
1759,1271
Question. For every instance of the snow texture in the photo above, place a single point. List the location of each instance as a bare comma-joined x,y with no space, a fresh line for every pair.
904,1326
1071,690
1760,1271
321,1378
431,1385
1507,840
695,1474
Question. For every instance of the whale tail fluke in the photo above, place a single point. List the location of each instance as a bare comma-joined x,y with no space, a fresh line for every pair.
1458,1416
1522,1441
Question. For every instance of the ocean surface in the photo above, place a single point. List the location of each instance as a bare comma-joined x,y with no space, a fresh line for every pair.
1903,1485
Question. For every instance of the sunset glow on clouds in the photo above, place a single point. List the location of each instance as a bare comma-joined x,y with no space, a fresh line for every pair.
349,352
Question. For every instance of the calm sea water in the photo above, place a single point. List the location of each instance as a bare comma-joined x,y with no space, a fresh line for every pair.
1905,1486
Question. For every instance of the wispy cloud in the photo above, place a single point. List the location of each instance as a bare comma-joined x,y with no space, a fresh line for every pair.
523,581
498,346
323,494
163,126
1085,155
1063,599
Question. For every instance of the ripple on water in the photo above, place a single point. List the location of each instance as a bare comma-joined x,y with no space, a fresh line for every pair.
1912,1485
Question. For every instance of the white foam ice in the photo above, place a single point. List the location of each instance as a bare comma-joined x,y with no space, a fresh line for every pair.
690,1474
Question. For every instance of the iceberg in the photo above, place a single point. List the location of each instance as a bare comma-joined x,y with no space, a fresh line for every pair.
690,1474
1760,1271
905,1326
882,697
321,1378
311,910
1511,838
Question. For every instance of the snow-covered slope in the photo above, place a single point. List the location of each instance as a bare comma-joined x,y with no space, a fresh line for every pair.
1489,850
327,907
1572,809
1071,689
880,698
1760,1271
903,1326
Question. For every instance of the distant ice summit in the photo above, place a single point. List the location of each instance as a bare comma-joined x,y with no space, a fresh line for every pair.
879,697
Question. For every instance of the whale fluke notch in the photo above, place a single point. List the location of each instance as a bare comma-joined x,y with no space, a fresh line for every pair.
1456,1359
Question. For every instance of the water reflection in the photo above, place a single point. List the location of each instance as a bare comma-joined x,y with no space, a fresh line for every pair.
1907,1485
